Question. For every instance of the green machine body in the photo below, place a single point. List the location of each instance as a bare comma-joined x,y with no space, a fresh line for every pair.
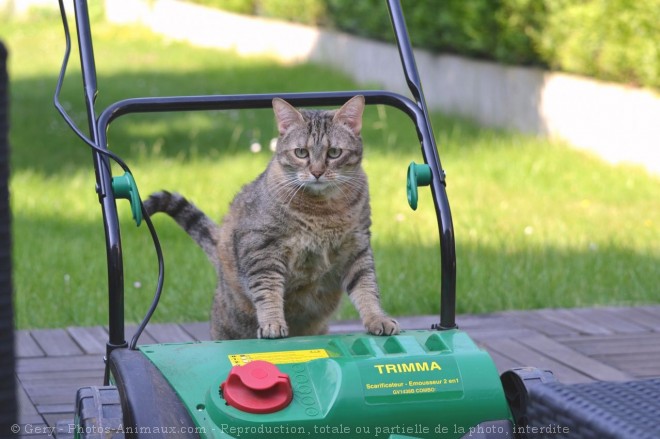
418,384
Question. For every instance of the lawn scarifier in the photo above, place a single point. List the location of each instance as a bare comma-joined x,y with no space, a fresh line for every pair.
420,383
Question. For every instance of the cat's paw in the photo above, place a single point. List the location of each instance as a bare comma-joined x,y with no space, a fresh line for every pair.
273,330
382,325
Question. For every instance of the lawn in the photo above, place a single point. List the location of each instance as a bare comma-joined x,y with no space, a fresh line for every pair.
537,223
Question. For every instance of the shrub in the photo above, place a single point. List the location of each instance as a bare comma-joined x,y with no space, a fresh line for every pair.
501,30
238,6
367,18
304,11
519,26
311,12
609,39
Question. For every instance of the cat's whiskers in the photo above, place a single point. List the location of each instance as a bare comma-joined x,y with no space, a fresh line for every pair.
287,187
295,192
352,184
282,186
291,193
340,185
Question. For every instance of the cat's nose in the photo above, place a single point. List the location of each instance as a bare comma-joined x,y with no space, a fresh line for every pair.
317,174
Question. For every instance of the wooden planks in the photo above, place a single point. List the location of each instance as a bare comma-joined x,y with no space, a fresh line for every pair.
636,354
526,356
199,331
27,412
164,333
578,345
25,346
570,319
56,342
92,340
574,359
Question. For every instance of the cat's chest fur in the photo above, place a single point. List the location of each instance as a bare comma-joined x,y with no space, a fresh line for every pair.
317,250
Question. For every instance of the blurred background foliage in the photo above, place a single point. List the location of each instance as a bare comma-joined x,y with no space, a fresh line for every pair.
538,224
615,40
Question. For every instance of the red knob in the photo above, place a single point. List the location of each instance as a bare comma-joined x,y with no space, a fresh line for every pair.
257,387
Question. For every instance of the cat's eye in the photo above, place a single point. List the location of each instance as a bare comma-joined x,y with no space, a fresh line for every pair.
301,153
333,153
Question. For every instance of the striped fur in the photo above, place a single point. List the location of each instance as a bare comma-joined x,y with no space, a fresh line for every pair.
200,227
296,237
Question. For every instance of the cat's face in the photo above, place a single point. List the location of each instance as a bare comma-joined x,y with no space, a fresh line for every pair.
319,151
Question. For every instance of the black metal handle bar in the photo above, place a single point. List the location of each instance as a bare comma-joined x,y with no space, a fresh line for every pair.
256,101
430,152
417,111
116,333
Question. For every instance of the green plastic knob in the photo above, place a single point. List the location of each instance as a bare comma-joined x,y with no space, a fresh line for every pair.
124,187
418,175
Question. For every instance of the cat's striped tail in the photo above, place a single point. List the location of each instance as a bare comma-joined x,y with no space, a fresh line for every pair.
196,223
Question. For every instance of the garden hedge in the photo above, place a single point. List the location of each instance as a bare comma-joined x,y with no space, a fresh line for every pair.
616,40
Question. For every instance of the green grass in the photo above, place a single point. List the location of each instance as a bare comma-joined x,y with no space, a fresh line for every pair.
537,224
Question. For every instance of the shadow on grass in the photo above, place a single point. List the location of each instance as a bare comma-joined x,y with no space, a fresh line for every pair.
46,145
60,277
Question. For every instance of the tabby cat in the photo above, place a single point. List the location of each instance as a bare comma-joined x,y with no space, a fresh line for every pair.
296,237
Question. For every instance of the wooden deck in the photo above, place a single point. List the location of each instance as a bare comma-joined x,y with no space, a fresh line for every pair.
578,345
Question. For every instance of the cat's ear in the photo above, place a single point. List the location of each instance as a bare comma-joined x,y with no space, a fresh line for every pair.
286,115
350,114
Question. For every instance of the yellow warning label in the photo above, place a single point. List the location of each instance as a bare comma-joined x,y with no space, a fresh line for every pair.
279,357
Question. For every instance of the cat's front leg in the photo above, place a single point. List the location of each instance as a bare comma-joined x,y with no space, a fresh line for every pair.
380,324
271,325
269,304
359,282
270,315
273,329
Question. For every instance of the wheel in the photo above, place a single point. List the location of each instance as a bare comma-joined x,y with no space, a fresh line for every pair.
98,413
516,384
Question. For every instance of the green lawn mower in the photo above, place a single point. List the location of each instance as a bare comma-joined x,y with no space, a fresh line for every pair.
418,384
